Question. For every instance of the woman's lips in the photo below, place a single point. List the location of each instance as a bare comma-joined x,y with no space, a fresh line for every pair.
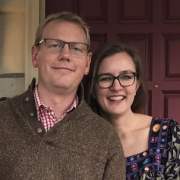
116,98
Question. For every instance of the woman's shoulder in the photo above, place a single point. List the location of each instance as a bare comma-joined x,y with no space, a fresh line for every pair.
144,121
167,122
149,120
159,160
163,132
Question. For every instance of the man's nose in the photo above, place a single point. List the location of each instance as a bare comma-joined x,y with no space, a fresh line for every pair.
65,52
65,48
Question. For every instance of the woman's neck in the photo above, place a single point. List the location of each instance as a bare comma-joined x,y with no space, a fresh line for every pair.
121,123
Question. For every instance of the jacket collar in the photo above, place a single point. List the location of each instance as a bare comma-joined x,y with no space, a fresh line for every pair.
30,107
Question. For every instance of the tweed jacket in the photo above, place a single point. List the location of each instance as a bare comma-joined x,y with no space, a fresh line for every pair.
82,146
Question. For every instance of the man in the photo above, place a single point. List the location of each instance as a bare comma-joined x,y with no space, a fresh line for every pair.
49,132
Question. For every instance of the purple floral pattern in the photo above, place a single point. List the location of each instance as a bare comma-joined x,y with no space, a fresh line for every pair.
162,158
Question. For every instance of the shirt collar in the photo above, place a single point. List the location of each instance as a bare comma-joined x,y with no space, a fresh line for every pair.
39,103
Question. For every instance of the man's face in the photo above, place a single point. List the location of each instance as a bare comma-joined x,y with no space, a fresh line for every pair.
61,71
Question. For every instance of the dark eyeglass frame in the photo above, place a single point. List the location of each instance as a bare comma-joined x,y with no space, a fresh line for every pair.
64,42
116,77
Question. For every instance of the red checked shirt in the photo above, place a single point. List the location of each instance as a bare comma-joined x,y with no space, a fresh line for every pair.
46,114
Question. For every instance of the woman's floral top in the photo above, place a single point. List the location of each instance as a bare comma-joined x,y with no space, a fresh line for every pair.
161,161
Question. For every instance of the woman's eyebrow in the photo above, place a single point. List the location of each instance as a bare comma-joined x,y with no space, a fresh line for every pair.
122,72
104,74
126,71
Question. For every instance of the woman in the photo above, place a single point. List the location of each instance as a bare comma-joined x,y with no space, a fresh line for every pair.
116,90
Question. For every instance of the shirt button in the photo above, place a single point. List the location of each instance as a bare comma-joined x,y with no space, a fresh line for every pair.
27,99
164,127
156,128
146,169
47,109
39,130
31,114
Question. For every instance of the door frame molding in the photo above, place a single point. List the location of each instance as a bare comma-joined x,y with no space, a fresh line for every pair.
35,12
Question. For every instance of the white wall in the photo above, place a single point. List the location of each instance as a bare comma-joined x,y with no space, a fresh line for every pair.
18,22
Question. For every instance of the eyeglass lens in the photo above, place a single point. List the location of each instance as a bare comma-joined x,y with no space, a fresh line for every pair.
106,81
55,46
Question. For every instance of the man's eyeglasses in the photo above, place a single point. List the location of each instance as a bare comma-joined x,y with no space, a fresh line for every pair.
56,45
107,80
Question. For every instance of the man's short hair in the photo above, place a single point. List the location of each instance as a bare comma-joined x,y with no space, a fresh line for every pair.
62,16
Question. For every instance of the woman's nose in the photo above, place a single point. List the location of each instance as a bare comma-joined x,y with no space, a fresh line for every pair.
116,85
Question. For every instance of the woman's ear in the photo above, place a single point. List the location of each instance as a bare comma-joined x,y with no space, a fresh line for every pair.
94,94
138,84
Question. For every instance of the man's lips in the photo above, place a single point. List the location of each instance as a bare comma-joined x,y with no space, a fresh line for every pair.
63,68
116,98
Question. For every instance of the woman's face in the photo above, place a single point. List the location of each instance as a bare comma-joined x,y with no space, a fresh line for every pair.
116,100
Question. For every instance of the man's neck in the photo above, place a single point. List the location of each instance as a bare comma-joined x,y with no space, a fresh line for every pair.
57,101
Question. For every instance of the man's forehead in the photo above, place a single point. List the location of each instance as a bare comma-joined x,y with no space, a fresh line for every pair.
64,29
63,24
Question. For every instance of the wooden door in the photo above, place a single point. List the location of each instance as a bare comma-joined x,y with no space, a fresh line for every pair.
152,26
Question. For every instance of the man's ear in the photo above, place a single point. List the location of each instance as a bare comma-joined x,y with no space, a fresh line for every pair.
88,62
34,54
